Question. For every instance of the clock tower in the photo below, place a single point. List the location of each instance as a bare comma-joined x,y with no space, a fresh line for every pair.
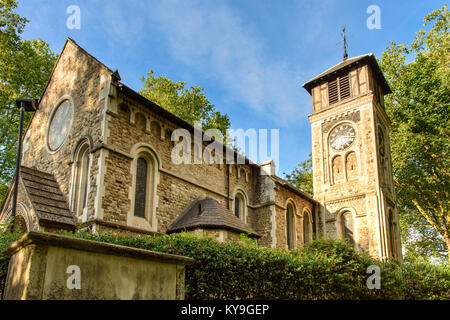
351,157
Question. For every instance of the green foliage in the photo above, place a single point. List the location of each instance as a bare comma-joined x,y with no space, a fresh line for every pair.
323,269
25,67
420,136
302,176
189,104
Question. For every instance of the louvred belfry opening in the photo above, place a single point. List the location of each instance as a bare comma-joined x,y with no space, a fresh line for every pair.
339,89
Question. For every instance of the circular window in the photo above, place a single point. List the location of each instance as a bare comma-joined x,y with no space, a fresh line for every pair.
60,124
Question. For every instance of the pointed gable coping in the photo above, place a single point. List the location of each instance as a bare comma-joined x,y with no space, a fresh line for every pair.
71,41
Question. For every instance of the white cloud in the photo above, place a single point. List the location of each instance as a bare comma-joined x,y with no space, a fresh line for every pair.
213,39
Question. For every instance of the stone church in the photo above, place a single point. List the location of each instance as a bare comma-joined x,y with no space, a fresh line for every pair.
97,155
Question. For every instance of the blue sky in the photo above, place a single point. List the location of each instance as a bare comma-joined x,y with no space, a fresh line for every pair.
250,56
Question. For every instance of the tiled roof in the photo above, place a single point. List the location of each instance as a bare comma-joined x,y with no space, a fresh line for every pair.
207,213
349,63
46,197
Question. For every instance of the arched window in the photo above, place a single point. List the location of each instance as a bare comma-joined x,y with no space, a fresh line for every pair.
351,166
307,227
391,232
290,227
338,171
240,206
140,198
144,199
81,180
237,207
346,225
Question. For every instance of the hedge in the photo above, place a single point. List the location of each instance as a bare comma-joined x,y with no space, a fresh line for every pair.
323,269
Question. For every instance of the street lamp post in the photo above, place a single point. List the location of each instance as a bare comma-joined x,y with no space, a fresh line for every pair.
29,105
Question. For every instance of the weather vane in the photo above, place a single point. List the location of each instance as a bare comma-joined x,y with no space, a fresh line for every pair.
344,40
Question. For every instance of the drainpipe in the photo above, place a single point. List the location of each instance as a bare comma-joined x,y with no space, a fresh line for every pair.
24,105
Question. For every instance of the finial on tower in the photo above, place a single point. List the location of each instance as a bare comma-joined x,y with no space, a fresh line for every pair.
344,40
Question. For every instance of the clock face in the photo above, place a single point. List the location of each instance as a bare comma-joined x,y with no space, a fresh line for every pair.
60,125
342,137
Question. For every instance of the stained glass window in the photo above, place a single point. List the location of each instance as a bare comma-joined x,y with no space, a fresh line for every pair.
141,188
236,207
81,182
290,233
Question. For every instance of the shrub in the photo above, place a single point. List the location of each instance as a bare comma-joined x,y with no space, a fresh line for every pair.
323,269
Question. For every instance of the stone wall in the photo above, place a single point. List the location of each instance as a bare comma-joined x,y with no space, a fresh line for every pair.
118,126
42,264
82,79
284,196
362,191
131,125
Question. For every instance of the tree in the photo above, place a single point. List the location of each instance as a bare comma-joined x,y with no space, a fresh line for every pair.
25,66
420,137
302,176
190,104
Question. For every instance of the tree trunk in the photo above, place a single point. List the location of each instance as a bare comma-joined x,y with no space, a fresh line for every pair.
447,241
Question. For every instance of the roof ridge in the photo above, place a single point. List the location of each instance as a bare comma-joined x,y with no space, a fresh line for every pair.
214,216
332,67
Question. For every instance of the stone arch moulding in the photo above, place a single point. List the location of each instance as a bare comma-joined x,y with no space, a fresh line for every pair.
84,139
143,150
292,202
339,214
239,191
23,212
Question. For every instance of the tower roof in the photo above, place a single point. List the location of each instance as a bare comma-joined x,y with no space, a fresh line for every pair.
348,64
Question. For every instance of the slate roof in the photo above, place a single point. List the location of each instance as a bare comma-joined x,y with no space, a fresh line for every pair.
207,213
348,64
46,198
